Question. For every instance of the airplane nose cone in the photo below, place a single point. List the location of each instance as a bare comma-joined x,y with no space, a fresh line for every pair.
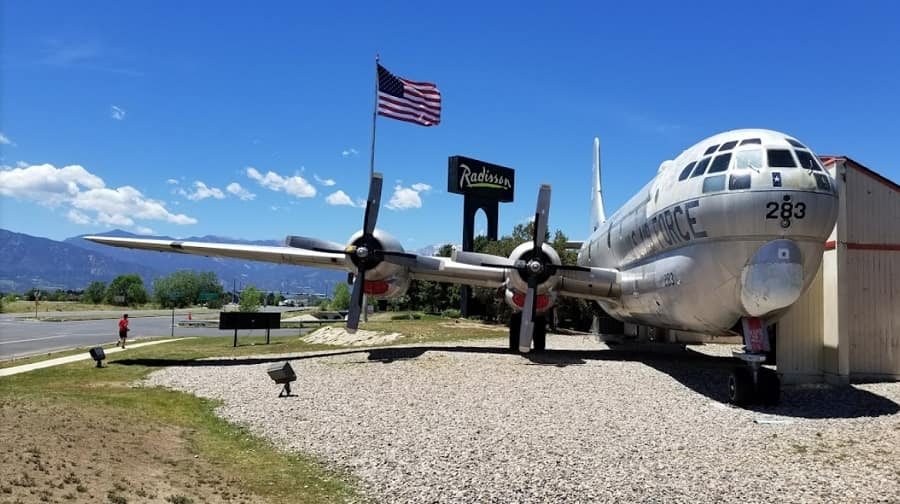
772,279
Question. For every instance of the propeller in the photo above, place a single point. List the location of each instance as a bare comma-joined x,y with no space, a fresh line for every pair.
365,252
534,267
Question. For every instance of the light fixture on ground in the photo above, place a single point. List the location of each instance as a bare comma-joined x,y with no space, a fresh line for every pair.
98,355
283,374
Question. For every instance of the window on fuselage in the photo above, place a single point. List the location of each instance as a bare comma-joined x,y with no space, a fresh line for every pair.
795,143
751,141
739,181
701,167
714,183
781,158
720,164
807,160
687,170
728,145
752,159
711,149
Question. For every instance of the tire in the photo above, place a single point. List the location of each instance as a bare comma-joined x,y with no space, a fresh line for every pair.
540,334
515,326
769,391
741,391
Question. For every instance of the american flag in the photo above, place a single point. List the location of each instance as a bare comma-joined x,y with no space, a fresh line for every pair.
406,100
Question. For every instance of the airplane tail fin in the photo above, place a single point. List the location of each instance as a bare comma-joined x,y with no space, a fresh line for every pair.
598,216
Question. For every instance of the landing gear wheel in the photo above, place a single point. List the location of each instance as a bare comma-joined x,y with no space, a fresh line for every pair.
768,387
540,334
741,390
515,326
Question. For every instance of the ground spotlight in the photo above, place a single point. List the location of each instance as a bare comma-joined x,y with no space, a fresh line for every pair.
283,374
98,355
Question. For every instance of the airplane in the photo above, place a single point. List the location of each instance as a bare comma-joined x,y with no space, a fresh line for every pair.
723,240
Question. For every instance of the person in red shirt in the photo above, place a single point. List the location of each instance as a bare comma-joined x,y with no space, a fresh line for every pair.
123,330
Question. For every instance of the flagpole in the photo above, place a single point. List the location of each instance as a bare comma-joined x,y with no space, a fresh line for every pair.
374,115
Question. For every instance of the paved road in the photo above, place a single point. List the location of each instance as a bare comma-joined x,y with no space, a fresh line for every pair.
21,337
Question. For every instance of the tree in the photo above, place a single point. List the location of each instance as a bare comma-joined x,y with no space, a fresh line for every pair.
186,288
126,290
251,298
341,296
95,292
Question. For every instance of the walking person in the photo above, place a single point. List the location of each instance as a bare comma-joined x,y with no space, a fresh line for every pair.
123,330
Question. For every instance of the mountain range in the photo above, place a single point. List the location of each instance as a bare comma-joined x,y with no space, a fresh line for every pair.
28,261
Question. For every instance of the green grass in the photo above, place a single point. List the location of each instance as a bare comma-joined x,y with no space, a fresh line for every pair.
251,462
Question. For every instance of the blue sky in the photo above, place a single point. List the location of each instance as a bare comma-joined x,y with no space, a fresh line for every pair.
140,115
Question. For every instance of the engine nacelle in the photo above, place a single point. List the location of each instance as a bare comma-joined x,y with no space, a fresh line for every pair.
385,280
542,302
517,285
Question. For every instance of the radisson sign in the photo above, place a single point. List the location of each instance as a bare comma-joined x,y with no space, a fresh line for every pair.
472,177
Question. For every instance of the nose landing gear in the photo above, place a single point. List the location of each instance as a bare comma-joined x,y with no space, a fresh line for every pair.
753,383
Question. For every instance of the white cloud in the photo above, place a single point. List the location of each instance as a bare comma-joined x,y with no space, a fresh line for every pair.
171,181
407,197
339,198
47,184
85,194
119,205
238,191
351,152
117,113
4,140
324,182
295,186
201,192
143,230
78,217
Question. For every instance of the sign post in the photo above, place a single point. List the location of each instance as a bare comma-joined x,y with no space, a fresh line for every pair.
483,186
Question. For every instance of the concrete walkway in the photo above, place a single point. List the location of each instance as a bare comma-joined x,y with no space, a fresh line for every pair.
24,368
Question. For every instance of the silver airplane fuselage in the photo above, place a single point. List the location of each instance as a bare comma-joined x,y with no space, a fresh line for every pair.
734,227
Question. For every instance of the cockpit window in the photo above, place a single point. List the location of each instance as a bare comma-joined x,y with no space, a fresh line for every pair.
752,159
711,149
720,163
701,167
795,143
807,160
751,141
781,158
728,145
687,170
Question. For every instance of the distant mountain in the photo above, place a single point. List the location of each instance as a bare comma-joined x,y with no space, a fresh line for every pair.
28,261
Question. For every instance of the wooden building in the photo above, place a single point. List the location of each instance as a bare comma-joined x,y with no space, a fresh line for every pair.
846,327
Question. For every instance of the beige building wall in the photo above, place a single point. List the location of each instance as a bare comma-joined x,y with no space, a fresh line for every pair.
847,325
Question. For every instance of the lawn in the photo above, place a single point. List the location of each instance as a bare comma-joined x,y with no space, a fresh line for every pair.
80,434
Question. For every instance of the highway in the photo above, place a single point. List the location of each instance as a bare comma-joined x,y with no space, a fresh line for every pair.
22,337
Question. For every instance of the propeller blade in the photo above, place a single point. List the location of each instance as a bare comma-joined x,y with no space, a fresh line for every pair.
526,331
372,204
479,259
541,216
316,244
356,299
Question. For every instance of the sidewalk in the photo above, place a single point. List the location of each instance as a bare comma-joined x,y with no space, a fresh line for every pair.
75,358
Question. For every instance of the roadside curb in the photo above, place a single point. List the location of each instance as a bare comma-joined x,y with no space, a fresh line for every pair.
75,358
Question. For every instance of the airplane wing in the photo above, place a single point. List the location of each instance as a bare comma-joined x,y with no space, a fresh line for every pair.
284,255
439,269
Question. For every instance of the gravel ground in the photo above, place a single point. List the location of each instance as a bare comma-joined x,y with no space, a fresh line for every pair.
583,424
